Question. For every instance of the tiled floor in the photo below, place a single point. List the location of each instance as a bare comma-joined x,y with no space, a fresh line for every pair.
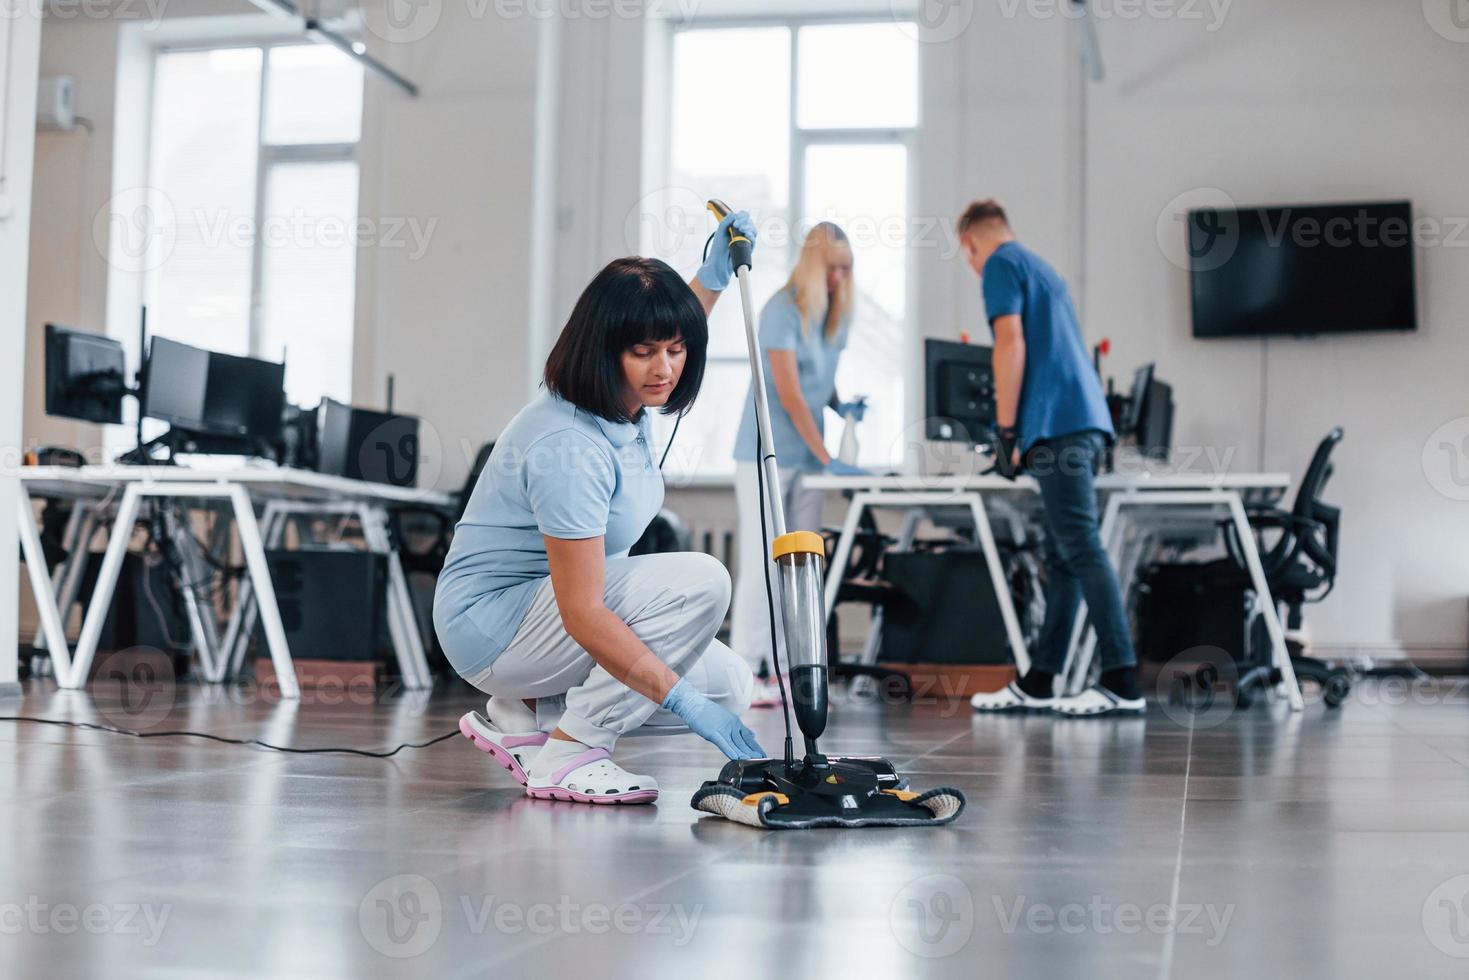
1246,844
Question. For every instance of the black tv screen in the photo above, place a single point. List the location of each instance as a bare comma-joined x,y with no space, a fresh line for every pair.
1307,269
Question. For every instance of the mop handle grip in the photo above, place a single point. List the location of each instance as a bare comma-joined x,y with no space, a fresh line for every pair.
741,249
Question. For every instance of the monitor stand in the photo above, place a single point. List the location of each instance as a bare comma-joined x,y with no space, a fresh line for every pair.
176,441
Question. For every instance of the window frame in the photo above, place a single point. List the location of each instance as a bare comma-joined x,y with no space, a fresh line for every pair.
267,156
801,138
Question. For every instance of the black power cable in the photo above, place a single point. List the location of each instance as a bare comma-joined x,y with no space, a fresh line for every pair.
228,741
785,713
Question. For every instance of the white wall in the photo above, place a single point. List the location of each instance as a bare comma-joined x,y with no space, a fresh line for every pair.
73,177
1286,103
19,57
454,325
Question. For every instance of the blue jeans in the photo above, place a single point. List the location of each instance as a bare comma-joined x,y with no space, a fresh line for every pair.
1077,566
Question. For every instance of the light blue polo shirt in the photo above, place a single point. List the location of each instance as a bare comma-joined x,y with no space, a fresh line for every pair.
559,471
1060,393
816,365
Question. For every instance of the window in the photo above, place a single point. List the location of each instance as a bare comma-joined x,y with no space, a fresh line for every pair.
815,134
253,157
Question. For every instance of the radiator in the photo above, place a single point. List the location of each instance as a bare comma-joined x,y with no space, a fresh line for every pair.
716,536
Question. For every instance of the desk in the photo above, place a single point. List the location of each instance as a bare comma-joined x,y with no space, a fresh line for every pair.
1137,505
280,491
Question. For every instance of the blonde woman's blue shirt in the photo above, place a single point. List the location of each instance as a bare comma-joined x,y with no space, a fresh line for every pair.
556,471
816,364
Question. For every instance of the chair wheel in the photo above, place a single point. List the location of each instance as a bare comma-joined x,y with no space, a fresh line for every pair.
1243,696
1336,690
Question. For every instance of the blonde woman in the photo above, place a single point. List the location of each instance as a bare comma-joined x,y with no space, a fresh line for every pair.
803,331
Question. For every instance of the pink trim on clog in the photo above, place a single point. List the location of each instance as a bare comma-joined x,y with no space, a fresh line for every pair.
586,758
499,749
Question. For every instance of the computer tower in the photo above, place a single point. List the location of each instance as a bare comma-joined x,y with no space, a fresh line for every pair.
1182,606
332,603
146,608
948,613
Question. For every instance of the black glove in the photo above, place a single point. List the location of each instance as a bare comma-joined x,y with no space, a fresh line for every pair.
1005,441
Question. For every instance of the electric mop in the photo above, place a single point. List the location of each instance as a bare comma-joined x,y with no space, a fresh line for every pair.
818,790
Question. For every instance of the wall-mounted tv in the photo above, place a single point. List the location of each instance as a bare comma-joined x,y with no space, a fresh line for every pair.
1305,269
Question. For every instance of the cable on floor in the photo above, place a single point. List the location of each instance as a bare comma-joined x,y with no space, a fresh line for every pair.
228,741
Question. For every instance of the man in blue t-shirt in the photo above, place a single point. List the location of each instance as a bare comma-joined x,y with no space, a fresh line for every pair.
1053,417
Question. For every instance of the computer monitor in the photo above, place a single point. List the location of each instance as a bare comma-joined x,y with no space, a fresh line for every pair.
205,392
959,392
362,444
1136,399
86,375
1154,431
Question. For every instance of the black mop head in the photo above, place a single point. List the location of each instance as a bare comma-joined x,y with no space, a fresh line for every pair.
770,794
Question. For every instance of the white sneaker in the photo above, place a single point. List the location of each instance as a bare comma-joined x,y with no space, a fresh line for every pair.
1096,701
1009,698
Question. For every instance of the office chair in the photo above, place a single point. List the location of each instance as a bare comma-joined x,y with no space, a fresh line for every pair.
1300,567
422,533
862,581
666,532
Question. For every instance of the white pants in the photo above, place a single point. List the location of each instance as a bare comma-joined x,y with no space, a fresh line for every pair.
749,632
675,603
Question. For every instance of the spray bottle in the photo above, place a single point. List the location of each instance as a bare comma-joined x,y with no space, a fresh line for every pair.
852,413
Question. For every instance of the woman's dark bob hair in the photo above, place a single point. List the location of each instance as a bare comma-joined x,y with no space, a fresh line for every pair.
632,301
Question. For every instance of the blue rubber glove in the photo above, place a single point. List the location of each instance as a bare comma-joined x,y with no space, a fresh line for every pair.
712,722
856,408
837,468
716,271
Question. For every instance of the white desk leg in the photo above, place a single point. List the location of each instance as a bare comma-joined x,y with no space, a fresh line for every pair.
1280,655
201,620
30,545
117,546
270,614
62,574
76,567
242,618
843,553
997,580
402,620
